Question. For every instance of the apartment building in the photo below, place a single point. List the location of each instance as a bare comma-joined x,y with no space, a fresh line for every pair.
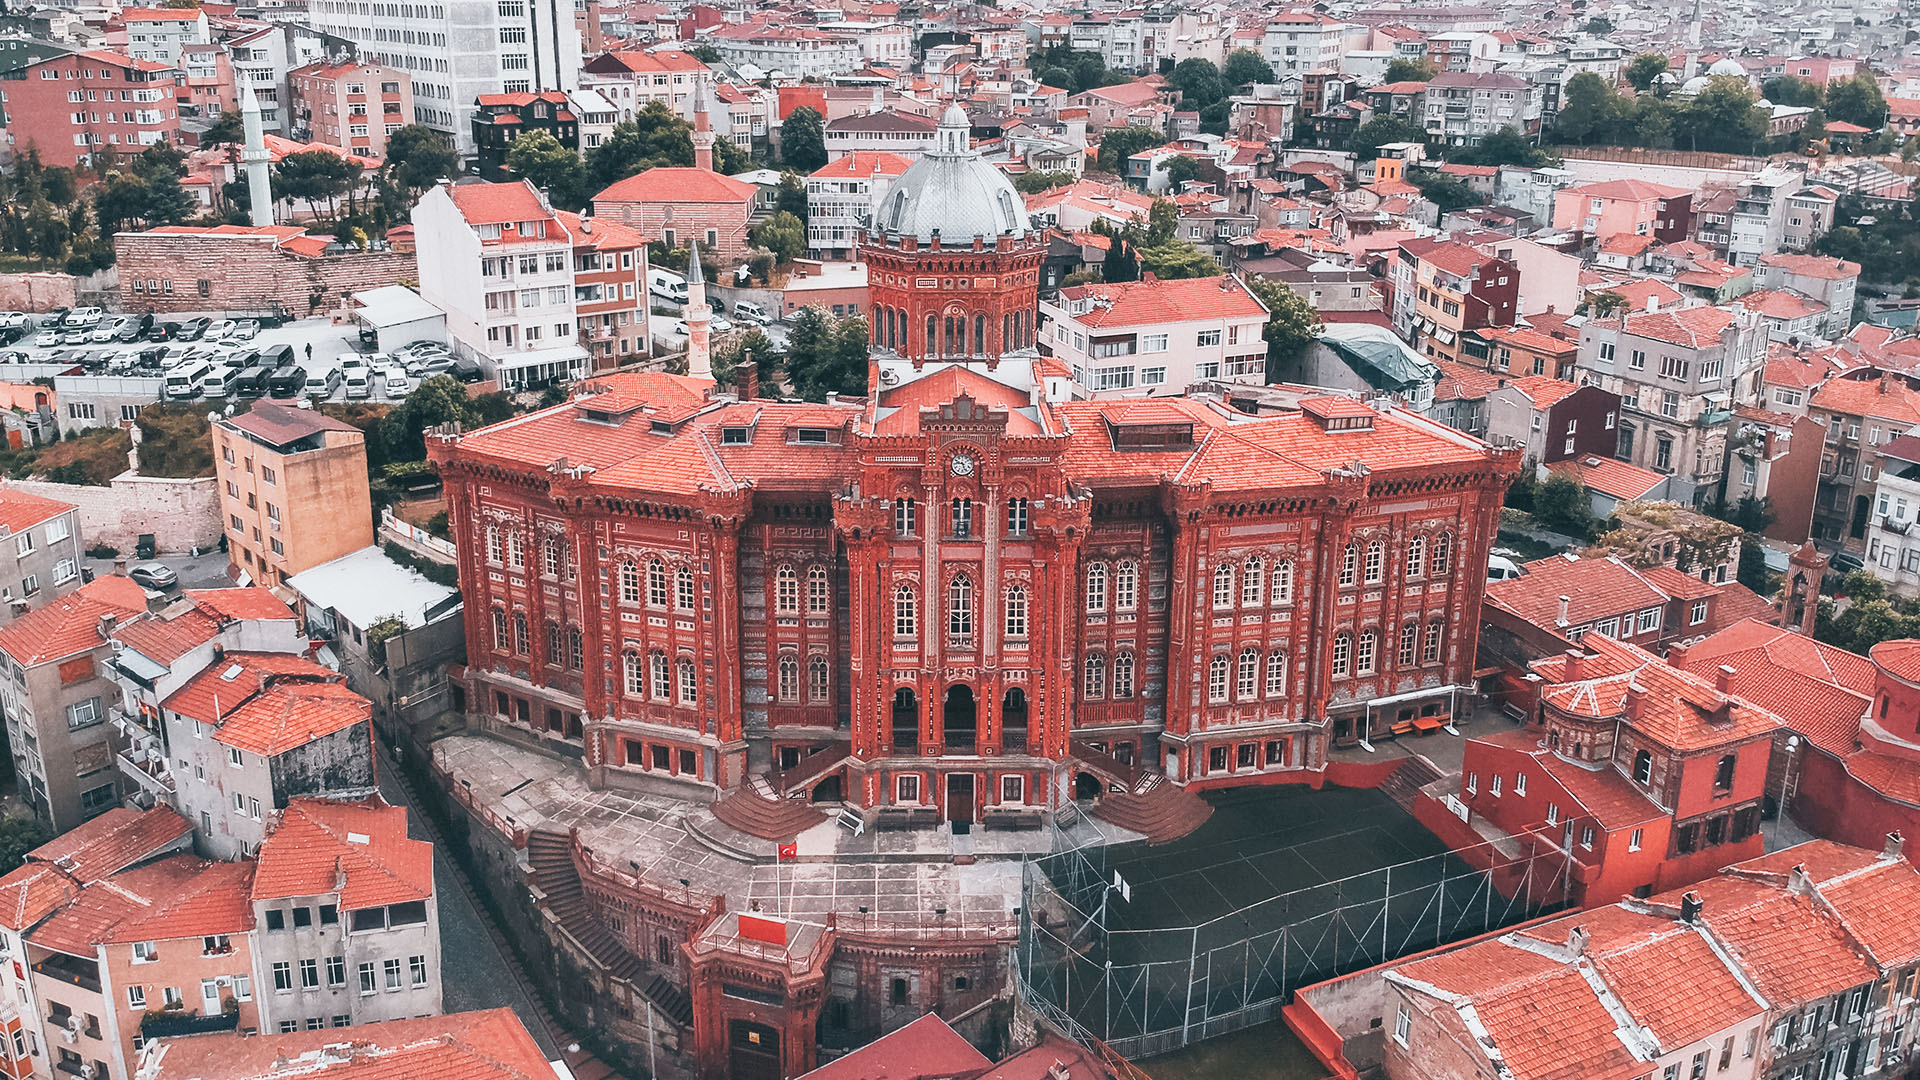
1817,277
843,195
632,79
42,562
206,87
70,106
794,51
1679,374
1757,222
352,106
1444,288
1893,530
293,486
262,56
161,34
488,1045
499,119
1860,418
56,699
1298,42
1153,337
1552,418
348,926
535,293
1625,208
889,131
457,50
1464,107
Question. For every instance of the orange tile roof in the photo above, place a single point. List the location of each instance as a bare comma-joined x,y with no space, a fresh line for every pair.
1603,793
1149,301
1677,709
1886,398
1544,390
1637,293
489,1045
71,624
165,638
1631,190
112,842
31,892
20,510
599,233
1526,337
1695,328
675,184
358,849
1780,304
1620,479
1794,950
498,204
269,703
175,897
663,60
1816,266
240,605
1458,381
945,385
863,163
1819,690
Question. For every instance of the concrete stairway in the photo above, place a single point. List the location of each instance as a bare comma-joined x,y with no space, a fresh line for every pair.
1158,810
1406,781
551,856
754,809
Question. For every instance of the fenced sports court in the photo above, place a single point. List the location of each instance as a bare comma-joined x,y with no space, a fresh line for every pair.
1281,888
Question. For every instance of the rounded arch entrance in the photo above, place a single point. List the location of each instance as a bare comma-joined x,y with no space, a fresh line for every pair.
960,717
906,721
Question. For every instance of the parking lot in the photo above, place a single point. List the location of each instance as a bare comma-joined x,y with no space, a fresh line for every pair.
318,346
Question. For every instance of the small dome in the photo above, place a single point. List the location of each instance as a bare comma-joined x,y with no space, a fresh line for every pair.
953,193
1694,85
1727,66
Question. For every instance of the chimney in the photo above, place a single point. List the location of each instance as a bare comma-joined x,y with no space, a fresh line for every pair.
1723,679
1577,942
1895,842
1677,656
1565,602
106,625
1690,907
1798,882
1636,699
120,567
747,378
1576,663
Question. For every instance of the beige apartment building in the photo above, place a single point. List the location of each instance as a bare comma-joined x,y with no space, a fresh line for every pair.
293,486
352,106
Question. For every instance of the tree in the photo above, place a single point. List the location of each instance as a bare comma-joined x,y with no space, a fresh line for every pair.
803,140
539,157
225,130
1561,504
1643,69
1120,263
1118,145
1599,26
1369,137
419,157
791,196
839,365
1792,90
1753,572
1291,325
707,55
160,159
654,138
1648,122
1858,101
1177,259
118,199
314,176
1199,82
1589,109
810,341
1180,168
1446,192
783,234
1029,183
1722,117
19,836
1404,70
167,202
1246,66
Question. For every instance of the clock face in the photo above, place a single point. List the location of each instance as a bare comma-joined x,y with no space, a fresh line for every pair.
963,465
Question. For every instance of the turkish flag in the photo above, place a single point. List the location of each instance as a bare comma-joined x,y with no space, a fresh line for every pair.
789,852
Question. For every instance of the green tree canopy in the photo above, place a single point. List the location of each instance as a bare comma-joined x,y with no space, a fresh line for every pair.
1722,117
1506,146
1643,69
539,157
1120,263
419,157
1590,110
803,140
792,195
1446,192
1290,327
1180,168
1246,66
783,234
19,836
1858,101
1118,145
707,55
654,138
226,129
1199,82
1369,137
1404,70
1561,504
1791,90
315,176
1030,182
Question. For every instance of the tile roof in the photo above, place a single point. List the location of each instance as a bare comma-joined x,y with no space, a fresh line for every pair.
1544,390
1695,327
1793,949
863,163
676,184
175,897
112,842
1638,292
488,1045
240,605
1819,690
1677,709
1153,300
1781,304
1620,479
1887,398
666,60
1603,794
72,623
1632,190
281,425
1815,266
1458,381
20,510
924,1048
269,703
498,204
358,849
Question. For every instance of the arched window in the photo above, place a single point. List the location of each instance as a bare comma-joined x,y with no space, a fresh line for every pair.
960,608
903,517
1643,767
1416,556
1006,331
493,543
662,682
1253,582
629,583
959,324
556,649
516,550
960,519
636,680
1097,587
1283,582
1277,673
1095,684
656,583
1409,641
1349,566
1342,655
689,682
520,643
906,612
819,599
786,591
1376,562
1016,613
501,641
933,336
575,648
1223,586
980,333
1123,675
1126,586
1430,650
1442,560
1217,678
554,556
789,670
1247,678
683,589
1016,517
1366,653
817,683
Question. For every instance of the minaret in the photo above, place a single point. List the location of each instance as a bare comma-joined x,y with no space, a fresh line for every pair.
699,356
1692,67
255,157
702,134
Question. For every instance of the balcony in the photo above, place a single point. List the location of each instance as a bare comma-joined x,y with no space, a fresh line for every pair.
147,769
167,1023
71,970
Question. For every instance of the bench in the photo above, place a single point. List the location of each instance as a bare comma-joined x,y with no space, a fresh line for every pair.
905,817
1007,817
1404,727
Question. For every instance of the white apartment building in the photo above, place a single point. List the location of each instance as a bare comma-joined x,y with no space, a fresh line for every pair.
1465,107
457,50
262,58
1761,210
630,80
1146,338
346,925
1299,42
890,44
844,194
161,34
1893,529
794,51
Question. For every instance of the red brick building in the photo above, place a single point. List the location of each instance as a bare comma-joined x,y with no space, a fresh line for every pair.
678,206
70,106
247,268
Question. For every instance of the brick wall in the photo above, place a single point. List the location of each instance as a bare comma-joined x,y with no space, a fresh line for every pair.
181,514
36,292
244,274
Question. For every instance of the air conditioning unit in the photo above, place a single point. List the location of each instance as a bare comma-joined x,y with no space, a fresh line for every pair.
71,1032
223,980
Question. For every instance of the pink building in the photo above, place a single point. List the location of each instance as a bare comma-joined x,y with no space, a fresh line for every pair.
677,205
1624,207
123,103
352,106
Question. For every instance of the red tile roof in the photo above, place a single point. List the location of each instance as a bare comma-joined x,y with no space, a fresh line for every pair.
112,842
1147,302
863,163
1780,304
1603,793
181,896
1544,390
20,511
498,204
664,60
72,623
1631,190
1639,291
358,849
1886,398
1695,328
1675,709
281,425
1820,691
1816,266
926,1047
489,1045
1620,479
674,184
240,605
269,703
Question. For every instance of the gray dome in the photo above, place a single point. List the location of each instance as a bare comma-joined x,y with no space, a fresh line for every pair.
953,193
1727,66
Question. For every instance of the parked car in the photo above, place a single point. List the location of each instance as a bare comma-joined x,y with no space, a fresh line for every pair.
84,318
54,317
192,329
105,330
47,338
245,330
13,320
154,575
749,312
76,336
398,385
676,328
222,329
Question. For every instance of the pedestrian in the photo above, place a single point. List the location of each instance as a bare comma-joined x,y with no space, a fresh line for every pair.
309,352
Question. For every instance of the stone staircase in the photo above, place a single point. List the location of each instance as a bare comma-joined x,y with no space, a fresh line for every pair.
551,856
1406,781
1156,809
753,808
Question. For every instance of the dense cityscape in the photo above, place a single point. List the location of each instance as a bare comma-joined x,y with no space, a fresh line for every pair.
1001,541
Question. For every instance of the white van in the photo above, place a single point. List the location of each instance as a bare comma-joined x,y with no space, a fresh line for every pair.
358,383
220,381
321,384
667,284
747,311
185,381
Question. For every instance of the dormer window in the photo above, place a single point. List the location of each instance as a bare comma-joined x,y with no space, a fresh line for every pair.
736,436
808,436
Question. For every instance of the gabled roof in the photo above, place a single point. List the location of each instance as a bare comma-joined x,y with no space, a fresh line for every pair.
1631,190
56,871
181,896
1695,327
1672,707
862,163
269,703
1153,301
1820,691
358,849
280,425
676,184
489,1045
71,624
498,204
20,510
1887,398
1612,477
1815,266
